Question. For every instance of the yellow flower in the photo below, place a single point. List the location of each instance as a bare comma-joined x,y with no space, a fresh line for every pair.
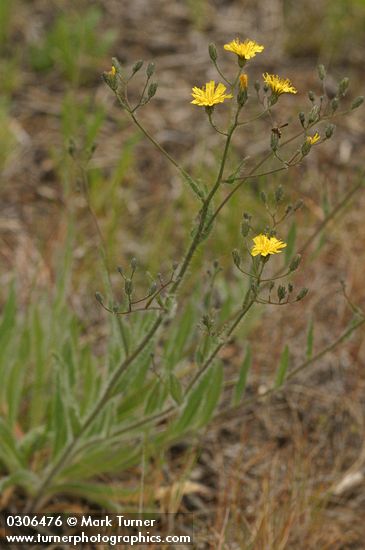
209,95
279,85
244,50
243,81
113,71
266,245
313,139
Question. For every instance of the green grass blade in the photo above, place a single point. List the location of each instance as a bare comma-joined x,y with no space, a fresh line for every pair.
283,367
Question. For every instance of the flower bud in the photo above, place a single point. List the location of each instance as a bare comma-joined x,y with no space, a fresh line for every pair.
343,86
311,96
329,131
263,197
133,263
298,204
99,297
213,52
152,288
334,104
290,288
274,143
357,102
150,69
120,271
247,216
302,294
152,89
321,72
281,292
279,193
243,81
128,286
245,228
236,257
242,97
313,114
110,78
137,66
294,264
302,118
306,147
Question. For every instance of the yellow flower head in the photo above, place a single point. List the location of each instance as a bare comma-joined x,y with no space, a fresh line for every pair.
244,50
243,81
313,139
266,245
209,95
279,85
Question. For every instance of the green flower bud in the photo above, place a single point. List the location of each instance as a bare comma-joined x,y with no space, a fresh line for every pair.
213,52
274,142
302,118
128,286
357,102
302,294
288,209
334,104
343,86
137,66
99,297
152,89
321,72
279,193
263,197
313,114
247,216
294,264
152,288
306,147
236,257
133,263
242,97
245,228
329,131
150,69
311,96
290,288
298,204
281,292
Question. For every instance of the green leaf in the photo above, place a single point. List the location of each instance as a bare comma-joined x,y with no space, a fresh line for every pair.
9,452
242,379
194,186
104,494
283,367
20,478
309,350
156,397
212,395
290,242
60,422
8,319
201,402
175,388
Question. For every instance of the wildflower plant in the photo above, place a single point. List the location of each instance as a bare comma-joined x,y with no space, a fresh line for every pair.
165,378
